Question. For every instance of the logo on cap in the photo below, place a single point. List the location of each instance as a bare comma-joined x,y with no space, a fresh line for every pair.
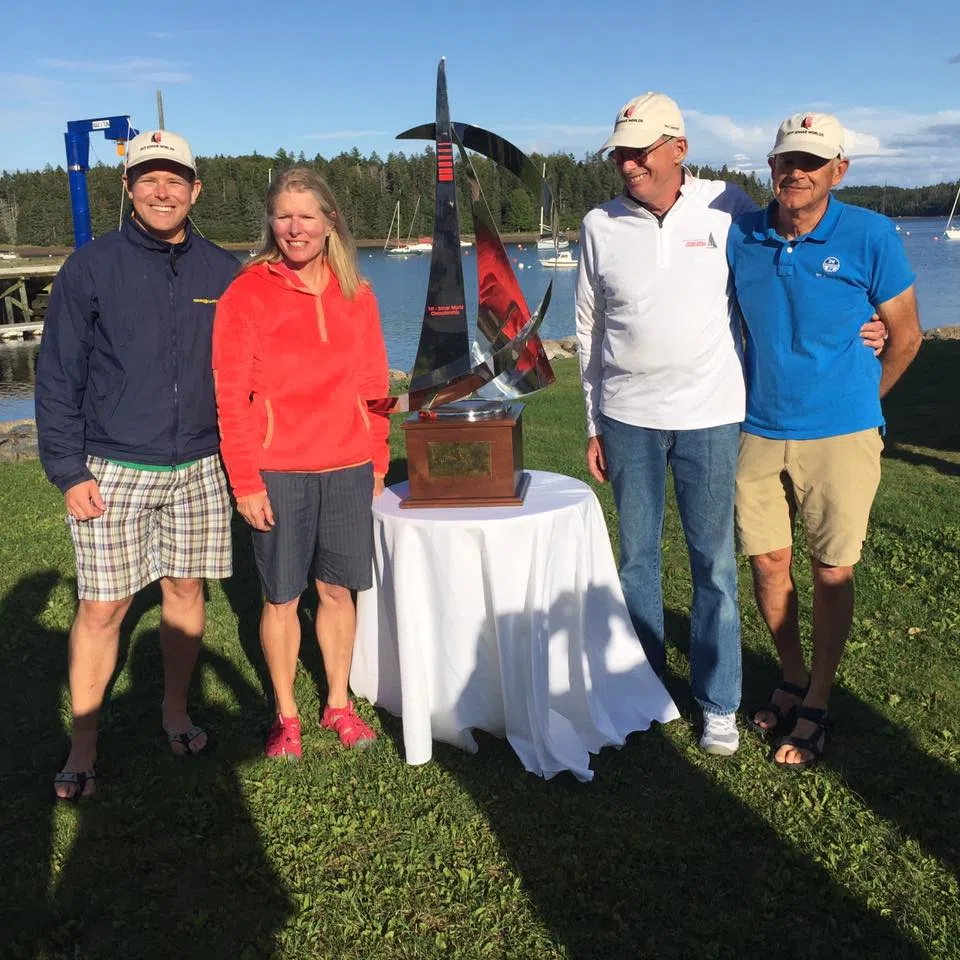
807,123
155,138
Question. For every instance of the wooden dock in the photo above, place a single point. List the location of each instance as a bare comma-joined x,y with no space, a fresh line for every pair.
24,291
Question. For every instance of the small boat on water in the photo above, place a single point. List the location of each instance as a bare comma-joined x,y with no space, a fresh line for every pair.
546,240
420,245
952,232
407,249
7,255
563,259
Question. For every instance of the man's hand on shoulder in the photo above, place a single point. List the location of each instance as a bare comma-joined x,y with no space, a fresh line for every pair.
597,459
899,315
874,334
83,500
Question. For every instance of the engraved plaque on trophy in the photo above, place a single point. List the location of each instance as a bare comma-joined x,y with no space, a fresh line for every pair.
470,454
465,437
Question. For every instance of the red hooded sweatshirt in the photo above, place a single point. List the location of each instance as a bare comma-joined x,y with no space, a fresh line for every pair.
293,371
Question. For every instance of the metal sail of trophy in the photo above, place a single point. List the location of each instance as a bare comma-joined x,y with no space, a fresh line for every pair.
465,445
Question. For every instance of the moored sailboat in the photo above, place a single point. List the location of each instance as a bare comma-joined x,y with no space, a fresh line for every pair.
952,232
546,239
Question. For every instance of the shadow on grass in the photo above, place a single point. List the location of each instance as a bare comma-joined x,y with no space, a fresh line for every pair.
655,859
923,410
165,860
881,763
397,471
244,596
895,451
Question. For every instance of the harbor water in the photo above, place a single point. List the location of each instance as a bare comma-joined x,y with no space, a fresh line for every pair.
400,285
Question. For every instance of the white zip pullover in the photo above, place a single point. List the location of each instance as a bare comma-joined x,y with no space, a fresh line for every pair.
655,311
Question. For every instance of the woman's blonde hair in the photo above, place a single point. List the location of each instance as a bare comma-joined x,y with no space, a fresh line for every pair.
341,249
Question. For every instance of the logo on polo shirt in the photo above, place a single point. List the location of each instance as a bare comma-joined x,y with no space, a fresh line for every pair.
831,265
709,243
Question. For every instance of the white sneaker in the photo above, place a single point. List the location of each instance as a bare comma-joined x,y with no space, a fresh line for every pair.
720,735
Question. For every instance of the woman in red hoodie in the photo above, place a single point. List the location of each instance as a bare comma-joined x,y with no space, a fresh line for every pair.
297,352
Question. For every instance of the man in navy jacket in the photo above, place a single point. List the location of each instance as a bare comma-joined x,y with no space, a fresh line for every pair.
127,427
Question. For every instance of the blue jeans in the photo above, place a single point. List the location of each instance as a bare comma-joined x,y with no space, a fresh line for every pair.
704,464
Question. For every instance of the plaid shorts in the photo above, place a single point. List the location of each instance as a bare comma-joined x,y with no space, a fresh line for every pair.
173,523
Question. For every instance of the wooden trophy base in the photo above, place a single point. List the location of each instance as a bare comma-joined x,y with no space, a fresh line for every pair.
455,461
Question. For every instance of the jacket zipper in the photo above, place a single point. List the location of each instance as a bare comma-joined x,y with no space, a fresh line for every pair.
176,356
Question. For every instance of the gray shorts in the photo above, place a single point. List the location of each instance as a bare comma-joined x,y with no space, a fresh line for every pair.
174,523
323,529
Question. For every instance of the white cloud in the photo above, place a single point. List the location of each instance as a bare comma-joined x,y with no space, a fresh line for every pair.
29,103
885,146
168,76
131,69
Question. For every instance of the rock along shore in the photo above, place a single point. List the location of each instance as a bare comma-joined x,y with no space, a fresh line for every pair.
943,333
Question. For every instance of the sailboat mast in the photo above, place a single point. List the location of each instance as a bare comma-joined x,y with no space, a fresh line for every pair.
953,209
413,220
396,216
541,198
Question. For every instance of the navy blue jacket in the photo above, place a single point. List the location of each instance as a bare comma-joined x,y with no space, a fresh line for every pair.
125,367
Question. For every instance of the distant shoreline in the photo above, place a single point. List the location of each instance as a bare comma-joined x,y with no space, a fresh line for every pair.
369,243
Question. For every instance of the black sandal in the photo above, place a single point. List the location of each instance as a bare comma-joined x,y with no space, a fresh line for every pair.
185,739
783,720
77,779
814,744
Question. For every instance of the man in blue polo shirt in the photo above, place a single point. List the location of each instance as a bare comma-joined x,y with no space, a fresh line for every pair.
808,272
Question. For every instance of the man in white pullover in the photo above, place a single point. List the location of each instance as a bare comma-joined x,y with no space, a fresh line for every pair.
663,385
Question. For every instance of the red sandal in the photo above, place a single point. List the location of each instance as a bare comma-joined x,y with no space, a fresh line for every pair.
348,726
283,740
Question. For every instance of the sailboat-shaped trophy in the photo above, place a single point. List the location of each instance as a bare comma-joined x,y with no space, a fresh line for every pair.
464,432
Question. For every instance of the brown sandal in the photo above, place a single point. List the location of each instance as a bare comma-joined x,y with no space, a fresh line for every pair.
78,779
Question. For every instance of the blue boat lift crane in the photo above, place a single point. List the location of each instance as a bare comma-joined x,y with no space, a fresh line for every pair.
24,287
77,139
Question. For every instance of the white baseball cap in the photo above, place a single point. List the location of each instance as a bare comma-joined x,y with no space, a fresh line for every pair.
160,145
644,120
819,134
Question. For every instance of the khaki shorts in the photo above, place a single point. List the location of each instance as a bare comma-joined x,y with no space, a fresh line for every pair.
831,483
174,523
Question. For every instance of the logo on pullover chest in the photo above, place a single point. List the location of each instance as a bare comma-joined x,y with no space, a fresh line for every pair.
830,265
708,243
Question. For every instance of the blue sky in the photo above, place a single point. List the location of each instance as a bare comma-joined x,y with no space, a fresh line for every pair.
325,77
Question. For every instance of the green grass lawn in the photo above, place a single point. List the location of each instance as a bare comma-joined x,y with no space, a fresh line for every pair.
667,854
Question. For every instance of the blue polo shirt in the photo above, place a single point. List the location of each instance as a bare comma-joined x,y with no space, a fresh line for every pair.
803,302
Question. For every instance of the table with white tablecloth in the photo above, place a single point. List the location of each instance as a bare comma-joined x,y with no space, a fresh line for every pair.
504,619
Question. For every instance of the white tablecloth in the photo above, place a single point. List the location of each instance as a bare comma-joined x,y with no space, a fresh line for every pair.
505,619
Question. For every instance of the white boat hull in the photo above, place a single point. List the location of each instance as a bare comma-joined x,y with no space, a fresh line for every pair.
565,259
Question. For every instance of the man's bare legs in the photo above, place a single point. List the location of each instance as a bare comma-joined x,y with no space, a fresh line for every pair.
833,600
776,595
182,621
93,645
833,603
